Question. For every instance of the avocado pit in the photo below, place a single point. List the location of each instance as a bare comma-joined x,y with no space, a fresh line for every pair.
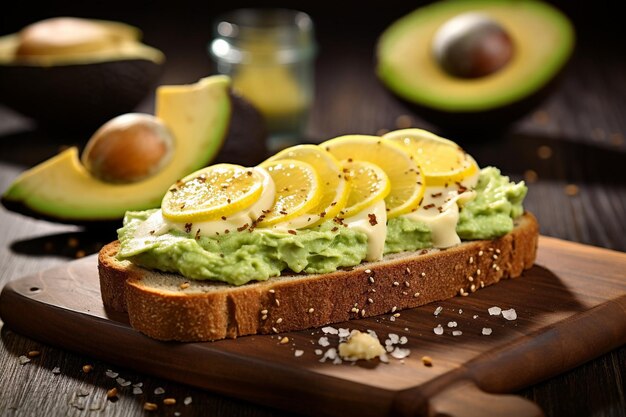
62,35
472,45
129,148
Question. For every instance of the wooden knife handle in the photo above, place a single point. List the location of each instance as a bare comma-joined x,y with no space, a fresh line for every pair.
465,399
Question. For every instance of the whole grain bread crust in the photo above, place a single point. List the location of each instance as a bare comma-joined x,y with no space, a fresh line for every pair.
170,307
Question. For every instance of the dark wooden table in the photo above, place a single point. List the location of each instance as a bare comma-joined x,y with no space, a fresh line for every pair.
571,150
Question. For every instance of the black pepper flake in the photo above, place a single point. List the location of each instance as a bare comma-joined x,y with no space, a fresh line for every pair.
198,234
283,212
152,232
226,231
242,228
322,214
428,206
435,195
173,190
249,173
334,229
223,217
292,232
372,219
188,227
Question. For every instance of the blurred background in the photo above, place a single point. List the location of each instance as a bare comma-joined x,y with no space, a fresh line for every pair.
346,33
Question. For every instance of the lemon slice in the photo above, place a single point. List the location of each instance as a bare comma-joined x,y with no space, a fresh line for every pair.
442,161
407,184
335,189
212,192
298,190
368,185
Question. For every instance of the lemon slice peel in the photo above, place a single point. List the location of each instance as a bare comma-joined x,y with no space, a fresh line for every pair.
443,162
212,192
407,182
335,189
297,190
368,185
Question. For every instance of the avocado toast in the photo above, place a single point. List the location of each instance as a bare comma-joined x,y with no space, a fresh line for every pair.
354,227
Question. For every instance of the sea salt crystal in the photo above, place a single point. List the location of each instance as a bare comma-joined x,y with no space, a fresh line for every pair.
389,348
187,400
111,374
329,330
329,354
343,332
318,351
457,333
403,340
298,353
23,360
137,391
400,353
56,370
452,324
394,338
159,391
509,314
487,331
323,341
494,311
438,310
438,330
392,318
475,316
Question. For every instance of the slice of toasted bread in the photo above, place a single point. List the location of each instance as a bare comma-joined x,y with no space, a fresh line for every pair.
170,307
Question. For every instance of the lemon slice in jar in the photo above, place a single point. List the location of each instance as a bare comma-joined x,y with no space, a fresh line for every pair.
407,183
443,162
368,185
212,192
298,190
334,187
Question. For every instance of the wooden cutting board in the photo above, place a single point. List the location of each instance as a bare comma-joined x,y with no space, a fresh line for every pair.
571,307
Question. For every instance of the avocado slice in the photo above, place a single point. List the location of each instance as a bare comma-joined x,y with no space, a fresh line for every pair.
75,73
200,117
543,40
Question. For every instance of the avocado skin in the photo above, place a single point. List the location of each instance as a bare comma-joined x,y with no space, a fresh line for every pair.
78,97
246,141
244,144
485,122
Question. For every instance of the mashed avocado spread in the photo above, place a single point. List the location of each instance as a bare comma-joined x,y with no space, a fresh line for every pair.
243,256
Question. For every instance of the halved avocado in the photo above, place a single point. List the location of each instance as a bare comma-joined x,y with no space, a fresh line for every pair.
542,39
76,73
201,118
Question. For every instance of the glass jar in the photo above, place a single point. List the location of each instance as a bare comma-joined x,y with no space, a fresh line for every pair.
269,55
